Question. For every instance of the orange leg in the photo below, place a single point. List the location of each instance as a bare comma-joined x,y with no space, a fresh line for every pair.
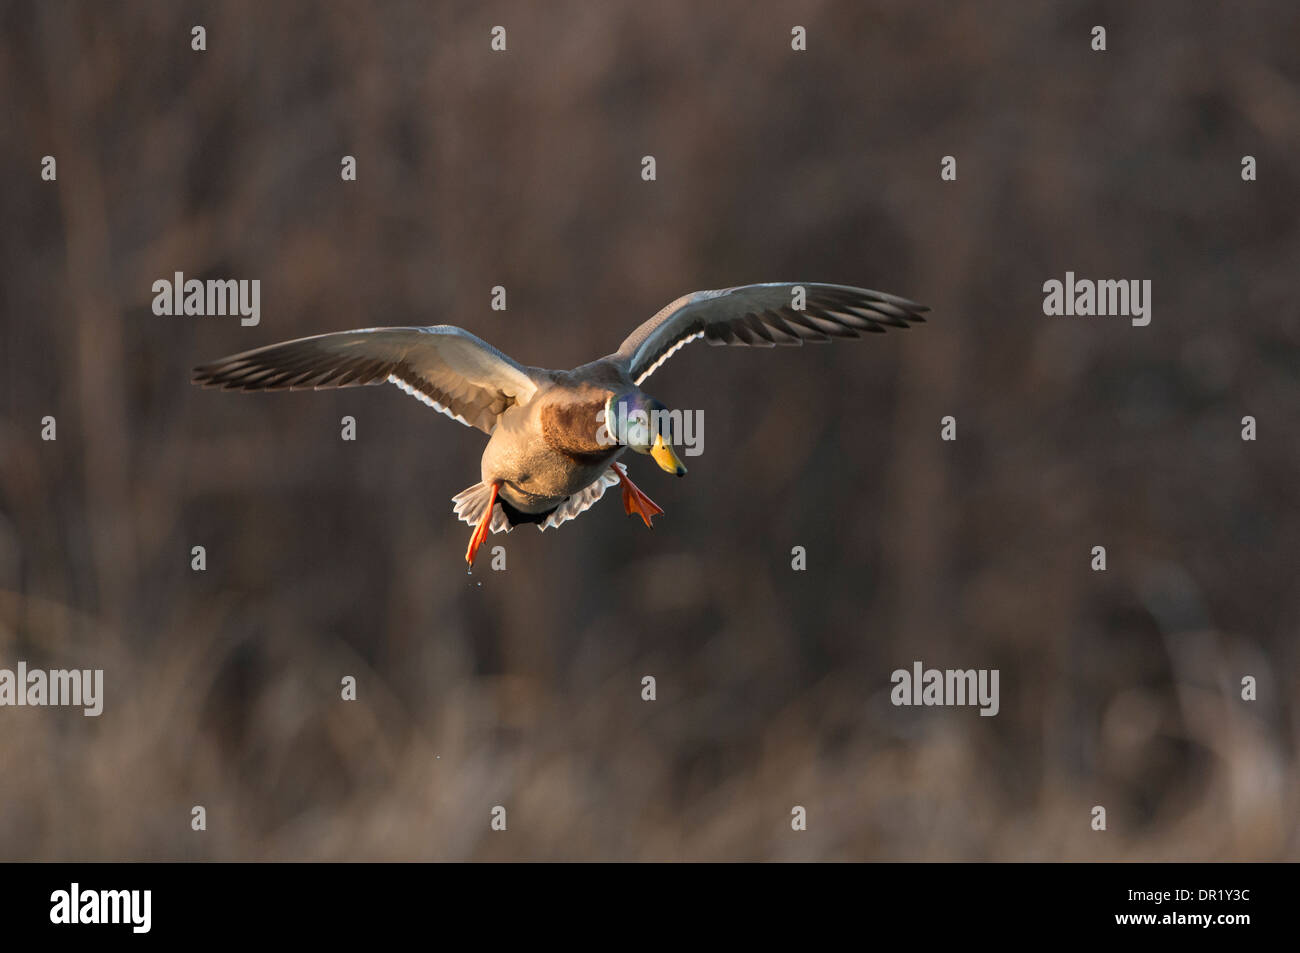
480,533
634,501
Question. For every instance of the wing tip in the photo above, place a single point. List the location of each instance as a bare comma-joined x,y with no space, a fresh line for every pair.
207,376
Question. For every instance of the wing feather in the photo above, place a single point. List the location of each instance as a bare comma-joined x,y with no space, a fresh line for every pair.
762,316
446,367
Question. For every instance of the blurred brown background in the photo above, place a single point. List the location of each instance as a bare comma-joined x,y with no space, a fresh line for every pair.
522,169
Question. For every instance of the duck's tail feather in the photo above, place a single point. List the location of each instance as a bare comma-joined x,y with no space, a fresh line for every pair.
470,503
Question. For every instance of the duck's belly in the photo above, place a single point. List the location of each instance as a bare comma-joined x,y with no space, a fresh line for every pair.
540,479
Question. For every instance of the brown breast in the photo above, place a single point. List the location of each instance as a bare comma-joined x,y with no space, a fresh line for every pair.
570,424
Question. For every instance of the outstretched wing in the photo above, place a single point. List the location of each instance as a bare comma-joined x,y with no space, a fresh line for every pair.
762,316
446,367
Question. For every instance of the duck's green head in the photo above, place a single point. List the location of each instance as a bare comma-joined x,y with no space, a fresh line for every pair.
645,425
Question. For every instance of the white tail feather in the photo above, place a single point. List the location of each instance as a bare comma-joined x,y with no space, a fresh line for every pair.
470,502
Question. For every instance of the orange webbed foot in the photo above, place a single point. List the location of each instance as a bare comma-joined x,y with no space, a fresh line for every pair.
634,501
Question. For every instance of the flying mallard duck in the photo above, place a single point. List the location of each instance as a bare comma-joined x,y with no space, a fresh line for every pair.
556,435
